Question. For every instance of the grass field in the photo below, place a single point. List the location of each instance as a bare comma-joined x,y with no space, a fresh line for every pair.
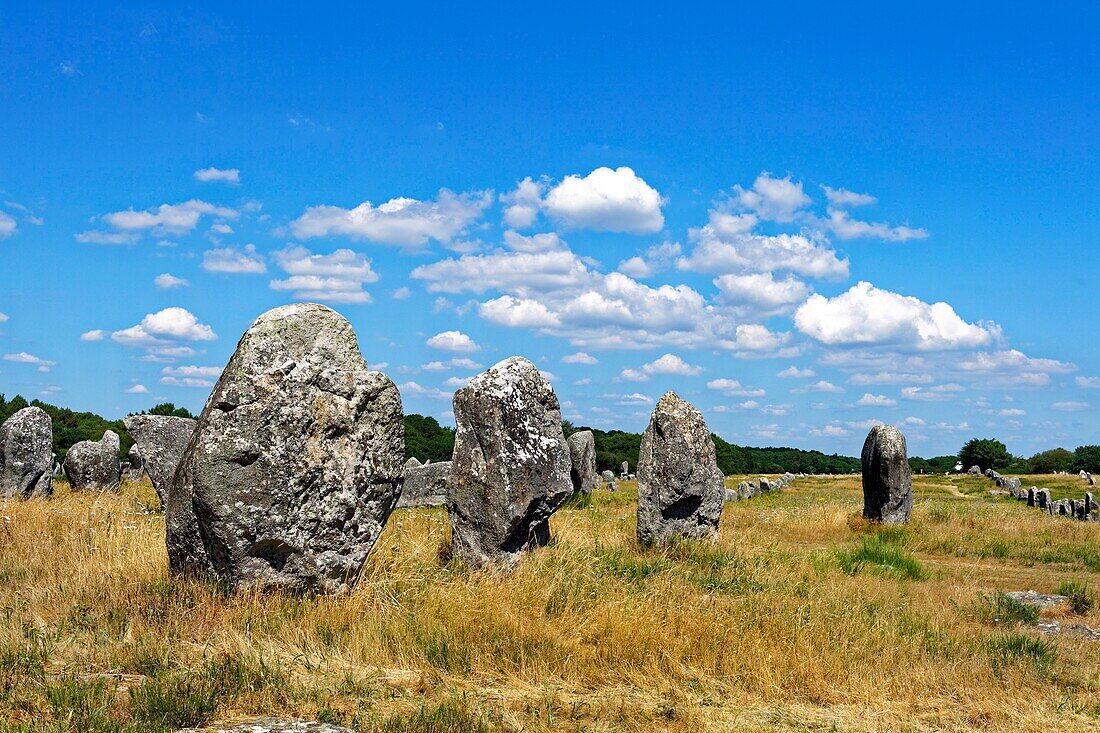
798,618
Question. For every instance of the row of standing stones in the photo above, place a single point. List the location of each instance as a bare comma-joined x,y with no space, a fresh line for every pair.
296,462
1080,509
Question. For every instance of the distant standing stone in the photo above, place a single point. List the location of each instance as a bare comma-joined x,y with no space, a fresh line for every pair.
765,485
887,479
607,476
511,465
425,485
975,471
626,469
26,454
679,484
296,462
94,465
744,490
582,455
162,440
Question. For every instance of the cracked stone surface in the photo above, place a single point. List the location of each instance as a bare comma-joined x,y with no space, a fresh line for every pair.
295,464
887,479
26,454
680,489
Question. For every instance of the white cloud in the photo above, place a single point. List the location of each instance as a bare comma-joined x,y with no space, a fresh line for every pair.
159,333
1013,360
405,222
3,317
773,199
864,379
671,364
166,281
532,243
96,236
844,226
818,386
459,362
761,292
164,220
401,293
1070,406
911,420
457,382
1012,412
97,334
211,174
412,388
633,375
523,203
657,257
1088,382
793,372
452,341
755,338
606,200
517,272
137,389
938,393
190,376
518,312
843,197
24,358
867,315
7,225
725,246
734,388
338,277
632,399
579,358
875,400
230,260
829,431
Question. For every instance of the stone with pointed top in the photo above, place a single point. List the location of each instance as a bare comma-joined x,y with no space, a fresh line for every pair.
26,454
582,456
94,465
887,479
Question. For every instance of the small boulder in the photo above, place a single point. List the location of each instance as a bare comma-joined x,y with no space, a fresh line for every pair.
975,471
296,462
162,440
679,484
607,476
425,485
744,490
582,456
887,479
511,465
94,464
26,454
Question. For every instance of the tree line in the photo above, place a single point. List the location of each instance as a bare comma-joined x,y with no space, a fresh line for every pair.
986,453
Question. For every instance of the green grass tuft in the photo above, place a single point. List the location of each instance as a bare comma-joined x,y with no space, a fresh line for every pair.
883,552
1081,598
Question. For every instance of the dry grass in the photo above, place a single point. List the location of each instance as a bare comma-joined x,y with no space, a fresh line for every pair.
798,618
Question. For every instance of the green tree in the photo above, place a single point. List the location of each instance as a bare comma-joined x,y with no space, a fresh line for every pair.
1087,458
985,453
426,439
167,409
1051,461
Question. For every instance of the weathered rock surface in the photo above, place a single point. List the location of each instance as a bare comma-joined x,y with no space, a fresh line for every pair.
94,465
425,485
26,454
161,441
412,463
1038,600
607,476
296,462
511,465
887,480
975,471
582,454
679,484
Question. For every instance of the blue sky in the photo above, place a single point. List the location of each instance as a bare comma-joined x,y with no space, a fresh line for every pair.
804,222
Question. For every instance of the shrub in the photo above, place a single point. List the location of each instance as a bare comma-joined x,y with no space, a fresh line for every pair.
1081,598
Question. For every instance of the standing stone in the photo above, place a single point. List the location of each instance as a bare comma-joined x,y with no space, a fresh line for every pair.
744,490
1043,498
296,462
679,484
975,471
162,441
1090,505
607,476
26,454
412,463
729,495
765,485
511,465
887,480
425,485
134,467
94,465
1083,474
1012,484
626,469
1032,497
1091,480
582,455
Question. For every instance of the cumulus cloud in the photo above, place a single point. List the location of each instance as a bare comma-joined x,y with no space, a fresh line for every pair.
23,357
459,362
818,386
523,204
580,358
1013,360
1070,406
863,379
868,315
97,334
875,400
655,258
840,197
726,244
761,292
840,223
734,388
937,393
452,341
404,222
1088,382
773,199
221,175
234,261
666,364
338,277
162,334
793,372
606,200
418,390
3,317
137,389
167,281
164,220
190,376
95,236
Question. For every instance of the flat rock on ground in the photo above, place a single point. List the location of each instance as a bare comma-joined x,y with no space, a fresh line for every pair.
271,725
